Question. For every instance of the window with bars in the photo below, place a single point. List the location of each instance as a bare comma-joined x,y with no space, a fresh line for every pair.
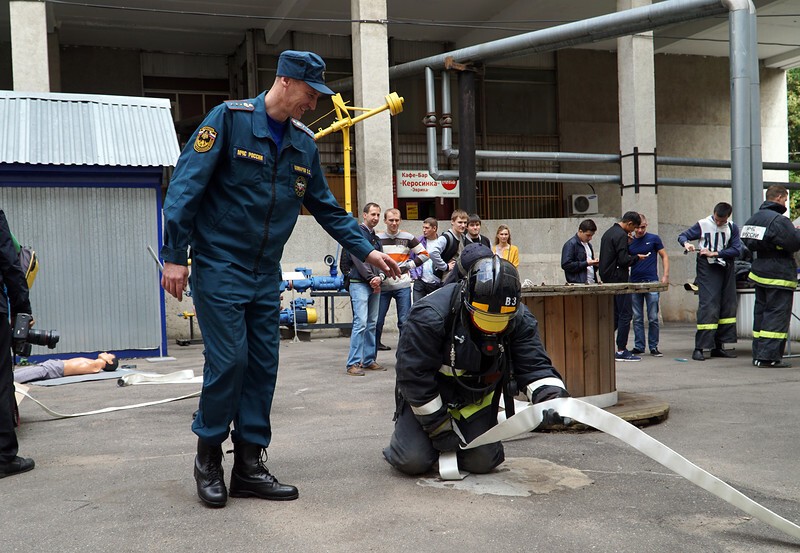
501,199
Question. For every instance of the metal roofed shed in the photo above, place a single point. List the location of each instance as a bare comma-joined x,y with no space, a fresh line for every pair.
80,182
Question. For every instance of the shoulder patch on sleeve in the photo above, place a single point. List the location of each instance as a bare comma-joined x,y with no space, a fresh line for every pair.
240,105
204,140
302,127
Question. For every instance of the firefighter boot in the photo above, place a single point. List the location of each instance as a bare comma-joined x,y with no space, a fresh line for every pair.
250,477
209,475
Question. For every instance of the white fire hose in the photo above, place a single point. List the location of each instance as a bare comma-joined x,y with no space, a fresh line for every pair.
530,417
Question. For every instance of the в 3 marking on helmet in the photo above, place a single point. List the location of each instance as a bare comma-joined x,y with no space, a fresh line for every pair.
492,294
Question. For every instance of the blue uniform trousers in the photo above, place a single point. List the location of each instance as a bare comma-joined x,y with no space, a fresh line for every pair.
238,312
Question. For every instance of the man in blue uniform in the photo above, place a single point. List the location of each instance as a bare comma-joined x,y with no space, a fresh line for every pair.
237,190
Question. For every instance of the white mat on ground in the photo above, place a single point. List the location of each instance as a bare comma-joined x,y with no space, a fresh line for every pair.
104,375
131,379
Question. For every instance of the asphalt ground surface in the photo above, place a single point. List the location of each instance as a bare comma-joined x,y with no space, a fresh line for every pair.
122,481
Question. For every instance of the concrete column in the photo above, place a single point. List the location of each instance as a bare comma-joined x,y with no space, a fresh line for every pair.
637,120
370,86
30,68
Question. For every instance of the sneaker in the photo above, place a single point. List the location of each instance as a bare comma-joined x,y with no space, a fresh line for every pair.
355,370
382,347
625,355
771,364
374,367
655,353
637,351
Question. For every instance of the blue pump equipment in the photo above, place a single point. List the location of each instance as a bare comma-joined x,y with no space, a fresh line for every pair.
299,307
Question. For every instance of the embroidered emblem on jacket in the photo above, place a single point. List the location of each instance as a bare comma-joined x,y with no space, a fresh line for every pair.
300,186
205,139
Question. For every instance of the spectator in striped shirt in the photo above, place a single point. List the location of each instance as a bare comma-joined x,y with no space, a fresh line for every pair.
399,245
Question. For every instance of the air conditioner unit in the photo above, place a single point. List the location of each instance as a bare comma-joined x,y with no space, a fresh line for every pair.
583,204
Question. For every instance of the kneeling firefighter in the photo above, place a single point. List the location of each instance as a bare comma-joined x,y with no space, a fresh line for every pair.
463,348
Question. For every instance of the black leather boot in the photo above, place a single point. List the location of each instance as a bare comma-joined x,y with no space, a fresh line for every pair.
250,477
209,475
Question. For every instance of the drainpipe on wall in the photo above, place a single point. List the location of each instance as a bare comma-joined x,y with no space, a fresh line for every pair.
741,117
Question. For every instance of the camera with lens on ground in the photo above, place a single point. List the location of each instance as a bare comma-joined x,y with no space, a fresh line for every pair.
23,336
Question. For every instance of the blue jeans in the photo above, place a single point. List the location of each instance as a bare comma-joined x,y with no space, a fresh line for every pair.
365,316
651,300
402,301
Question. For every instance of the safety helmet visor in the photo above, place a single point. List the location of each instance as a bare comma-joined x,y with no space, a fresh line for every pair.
488,323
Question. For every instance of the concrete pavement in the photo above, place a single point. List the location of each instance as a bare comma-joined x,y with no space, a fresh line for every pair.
123,482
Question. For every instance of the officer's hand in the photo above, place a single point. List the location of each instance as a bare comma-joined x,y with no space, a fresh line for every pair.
446,441
383,262
174,279
689,247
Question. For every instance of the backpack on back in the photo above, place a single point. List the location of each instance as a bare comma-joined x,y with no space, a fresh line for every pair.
27,259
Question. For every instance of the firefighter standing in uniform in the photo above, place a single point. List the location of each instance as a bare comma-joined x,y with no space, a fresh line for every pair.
719,246
462,348
773,240
235,197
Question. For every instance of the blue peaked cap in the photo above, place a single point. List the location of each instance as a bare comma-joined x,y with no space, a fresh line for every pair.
304,66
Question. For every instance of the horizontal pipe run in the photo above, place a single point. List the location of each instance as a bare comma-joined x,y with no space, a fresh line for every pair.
614,158
514,176
721,163
540,156
586,31
717,183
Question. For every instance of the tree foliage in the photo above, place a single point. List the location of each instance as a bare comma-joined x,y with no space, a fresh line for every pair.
793,101
793,114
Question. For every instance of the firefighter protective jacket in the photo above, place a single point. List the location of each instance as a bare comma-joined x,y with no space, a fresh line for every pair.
438,346
773,240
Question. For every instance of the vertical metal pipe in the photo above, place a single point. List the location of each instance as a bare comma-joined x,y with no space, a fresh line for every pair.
466,141
756,161
430,122
740,52
447,113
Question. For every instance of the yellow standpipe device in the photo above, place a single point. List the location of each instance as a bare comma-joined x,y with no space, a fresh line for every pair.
344,121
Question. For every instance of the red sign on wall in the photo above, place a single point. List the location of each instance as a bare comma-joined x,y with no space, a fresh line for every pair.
419,184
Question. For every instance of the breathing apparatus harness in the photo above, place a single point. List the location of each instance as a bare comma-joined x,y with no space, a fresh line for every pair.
494,346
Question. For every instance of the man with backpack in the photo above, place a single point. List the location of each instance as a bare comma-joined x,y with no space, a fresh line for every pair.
445,251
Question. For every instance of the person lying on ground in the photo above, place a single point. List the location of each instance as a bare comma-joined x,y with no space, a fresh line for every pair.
56,368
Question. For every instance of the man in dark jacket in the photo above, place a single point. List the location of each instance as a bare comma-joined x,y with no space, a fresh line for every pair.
773,240
615,264
577,255
460,349
365,299
13,290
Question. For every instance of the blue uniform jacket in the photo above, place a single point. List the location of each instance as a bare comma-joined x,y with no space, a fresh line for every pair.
233,197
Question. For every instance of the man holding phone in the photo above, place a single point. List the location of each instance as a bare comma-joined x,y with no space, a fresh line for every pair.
646,270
